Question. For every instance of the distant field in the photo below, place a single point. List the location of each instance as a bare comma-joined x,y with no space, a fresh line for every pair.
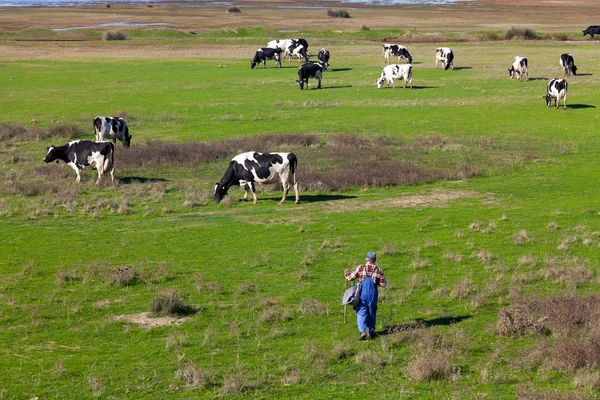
481,204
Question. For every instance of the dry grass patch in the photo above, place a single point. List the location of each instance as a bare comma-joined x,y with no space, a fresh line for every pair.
122,276
521,237
369,358
313,307
238,381
196,377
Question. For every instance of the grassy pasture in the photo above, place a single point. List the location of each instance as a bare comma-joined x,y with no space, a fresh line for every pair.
263,282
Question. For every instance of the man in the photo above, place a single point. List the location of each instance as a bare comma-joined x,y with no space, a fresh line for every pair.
369,276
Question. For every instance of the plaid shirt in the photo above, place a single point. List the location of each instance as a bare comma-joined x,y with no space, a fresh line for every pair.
368,269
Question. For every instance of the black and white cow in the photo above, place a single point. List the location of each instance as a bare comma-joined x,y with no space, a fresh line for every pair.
568,64
592,30
110,128
323,57
557,89
310,70
395,71
445,56
264,54
397,51
519,69
246,169
300,52
82,154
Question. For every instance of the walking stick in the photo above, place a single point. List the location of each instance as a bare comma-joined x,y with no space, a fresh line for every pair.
345,306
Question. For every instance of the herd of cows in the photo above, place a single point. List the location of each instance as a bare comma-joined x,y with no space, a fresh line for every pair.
249,168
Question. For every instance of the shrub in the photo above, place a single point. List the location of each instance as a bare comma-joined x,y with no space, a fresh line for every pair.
364,27
520,33
169,302
195,377
114,35
122,276
337,13
233,9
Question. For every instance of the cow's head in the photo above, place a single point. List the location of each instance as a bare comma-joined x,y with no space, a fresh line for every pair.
574,70
380,81
220,192
252,64
548,99
511,72
51,155
410,59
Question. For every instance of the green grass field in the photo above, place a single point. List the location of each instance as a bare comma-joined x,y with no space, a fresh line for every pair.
265,281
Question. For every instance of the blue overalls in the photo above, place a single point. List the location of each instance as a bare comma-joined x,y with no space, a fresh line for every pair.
366,310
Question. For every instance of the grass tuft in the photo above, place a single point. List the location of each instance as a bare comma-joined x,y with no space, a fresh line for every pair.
169,302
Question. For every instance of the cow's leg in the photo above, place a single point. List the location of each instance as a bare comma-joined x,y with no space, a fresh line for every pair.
245,192
100,169
77,171
565,102
253,189
285,182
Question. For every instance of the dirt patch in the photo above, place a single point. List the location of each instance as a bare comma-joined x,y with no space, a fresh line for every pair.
437,198
144,319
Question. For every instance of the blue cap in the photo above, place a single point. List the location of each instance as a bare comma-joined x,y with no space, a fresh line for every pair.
371,256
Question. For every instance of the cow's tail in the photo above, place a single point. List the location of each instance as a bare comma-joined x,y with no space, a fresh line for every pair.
109,159
293,165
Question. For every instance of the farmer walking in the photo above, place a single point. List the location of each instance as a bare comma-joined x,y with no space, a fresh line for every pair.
369,276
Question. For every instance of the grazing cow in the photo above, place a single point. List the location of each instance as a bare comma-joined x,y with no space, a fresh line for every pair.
246,169
397,51
557,89
112,128
568,64
310,70
300,52
323,57
264,54
519,69
445,56
395,71
85,154
592,30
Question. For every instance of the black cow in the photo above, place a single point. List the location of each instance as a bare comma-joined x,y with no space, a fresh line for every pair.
264,54
323,57
246,169
557,89
397,51
85,154
568,64
310,70
592,30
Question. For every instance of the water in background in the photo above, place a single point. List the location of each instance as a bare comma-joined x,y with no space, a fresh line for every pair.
64,3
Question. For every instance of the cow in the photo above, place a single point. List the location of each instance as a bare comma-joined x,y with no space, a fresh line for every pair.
266,53
252,167
310,70
568,64
82,154
445,56
300,52
519,69
397,51
282,44
395,71
557,89
323,57
112,128
592,30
